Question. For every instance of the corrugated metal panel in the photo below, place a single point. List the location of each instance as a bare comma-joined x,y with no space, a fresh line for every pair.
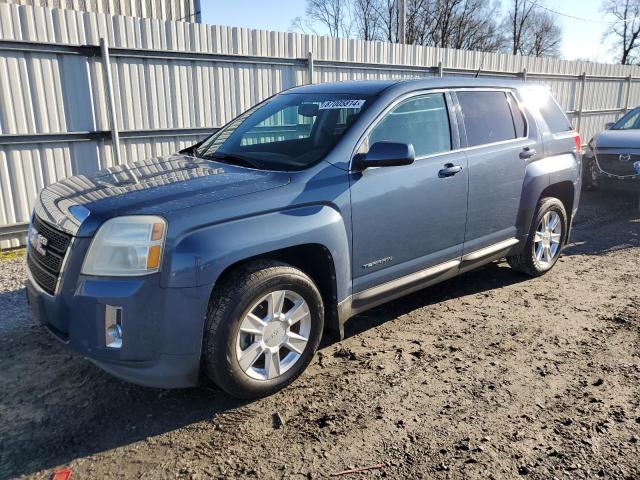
46,92
177,10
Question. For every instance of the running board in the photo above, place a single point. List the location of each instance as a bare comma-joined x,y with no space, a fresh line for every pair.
490,250
402,286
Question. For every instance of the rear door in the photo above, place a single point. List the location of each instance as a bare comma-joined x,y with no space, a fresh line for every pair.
494,133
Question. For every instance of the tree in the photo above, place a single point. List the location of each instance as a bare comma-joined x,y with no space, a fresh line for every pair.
626,29
464,24
333,14
546,37
460,24
366,14
388,12
517,21
475,26
530,31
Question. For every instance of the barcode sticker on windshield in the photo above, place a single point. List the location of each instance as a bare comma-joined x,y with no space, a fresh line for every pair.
332,104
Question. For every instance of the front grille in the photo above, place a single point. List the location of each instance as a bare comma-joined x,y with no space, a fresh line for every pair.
611,163
45,269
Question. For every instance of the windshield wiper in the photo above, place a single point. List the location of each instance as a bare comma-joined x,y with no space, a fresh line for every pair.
235,160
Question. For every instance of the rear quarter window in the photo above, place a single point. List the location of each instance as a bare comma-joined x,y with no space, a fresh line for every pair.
553,116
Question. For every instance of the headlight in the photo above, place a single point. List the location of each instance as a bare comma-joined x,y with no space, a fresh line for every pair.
126,246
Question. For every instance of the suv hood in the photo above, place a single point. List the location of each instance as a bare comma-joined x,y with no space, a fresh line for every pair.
625,139
154,186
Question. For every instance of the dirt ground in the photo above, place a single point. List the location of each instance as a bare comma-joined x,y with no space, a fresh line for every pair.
490,375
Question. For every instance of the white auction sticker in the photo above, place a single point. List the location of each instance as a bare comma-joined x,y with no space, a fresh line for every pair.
332,104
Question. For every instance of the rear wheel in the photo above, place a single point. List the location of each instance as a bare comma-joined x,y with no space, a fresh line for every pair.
546,238
264,325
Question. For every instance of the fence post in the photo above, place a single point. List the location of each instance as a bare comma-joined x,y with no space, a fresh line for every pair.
113,119
583,84
310,67
627,95
524,74
440,70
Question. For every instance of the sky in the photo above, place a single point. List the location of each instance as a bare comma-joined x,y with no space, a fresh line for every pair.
581,39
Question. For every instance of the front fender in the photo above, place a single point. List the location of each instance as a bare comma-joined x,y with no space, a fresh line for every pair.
199,257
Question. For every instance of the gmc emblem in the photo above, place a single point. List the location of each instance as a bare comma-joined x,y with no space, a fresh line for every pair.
37,241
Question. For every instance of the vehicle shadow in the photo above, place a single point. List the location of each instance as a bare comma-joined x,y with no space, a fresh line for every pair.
607,220
55,406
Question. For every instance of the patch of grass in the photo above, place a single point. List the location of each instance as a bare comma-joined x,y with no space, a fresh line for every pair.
12,254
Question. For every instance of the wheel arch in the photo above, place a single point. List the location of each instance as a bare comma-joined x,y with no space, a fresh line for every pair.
313,259
565,192
557,176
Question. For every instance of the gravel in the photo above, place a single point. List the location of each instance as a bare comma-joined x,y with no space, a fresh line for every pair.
13,302
488,375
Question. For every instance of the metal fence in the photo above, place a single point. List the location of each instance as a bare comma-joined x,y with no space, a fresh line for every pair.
71,103
186,10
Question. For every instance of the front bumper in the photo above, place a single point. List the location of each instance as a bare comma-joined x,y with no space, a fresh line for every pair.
595,175
162,327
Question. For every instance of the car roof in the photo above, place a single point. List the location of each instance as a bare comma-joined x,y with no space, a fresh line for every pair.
375,87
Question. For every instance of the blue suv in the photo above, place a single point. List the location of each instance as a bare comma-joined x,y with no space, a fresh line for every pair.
230,259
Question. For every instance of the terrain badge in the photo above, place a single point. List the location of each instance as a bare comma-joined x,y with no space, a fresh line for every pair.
375,263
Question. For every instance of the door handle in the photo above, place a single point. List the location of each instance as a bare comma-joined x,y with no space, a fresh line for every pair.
527,153
449,170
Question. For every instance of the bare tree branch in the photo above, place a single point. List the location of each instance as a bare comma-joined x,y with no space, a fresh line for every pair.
626,29
532,31
335,15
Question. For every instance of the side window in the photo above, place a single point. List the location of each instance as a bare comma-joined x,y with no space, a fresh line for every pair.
422,121
519,121
487,117
553,116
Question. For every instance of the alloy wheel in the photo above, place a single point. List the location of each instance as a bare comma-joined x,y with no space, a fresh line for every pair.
273,335
547,239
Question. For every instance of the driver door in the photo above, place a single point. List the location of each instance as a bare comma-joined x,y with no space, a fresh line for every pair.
407,219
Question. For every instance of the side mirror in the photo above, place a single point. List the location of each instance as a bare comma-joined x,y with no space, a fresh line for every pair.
191,149
608,125
386,154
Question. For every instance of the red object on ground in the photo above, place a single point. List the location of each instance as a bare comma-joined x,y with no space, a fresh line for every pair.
62,474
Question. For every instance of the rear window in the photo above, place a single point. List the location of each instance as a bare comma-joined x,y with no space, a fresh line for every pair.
487,117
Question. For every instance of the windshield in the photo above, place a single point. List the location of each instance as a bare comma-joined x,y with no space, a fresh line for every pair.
630,121
286,132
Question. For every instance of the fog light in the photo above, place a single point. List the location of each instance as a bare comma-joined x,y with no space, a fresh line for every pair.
113,326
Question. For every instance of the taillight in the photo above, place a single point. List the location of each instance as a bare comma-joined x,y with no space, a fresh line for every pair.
578,143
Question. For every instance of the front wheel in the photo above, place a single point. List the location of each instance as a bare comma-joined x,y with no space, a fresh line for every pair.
590,174
263,327
547,236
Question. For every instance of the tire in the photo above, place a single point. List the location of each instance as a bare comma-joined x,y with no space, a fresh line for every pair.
528,261
227,350
590,174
